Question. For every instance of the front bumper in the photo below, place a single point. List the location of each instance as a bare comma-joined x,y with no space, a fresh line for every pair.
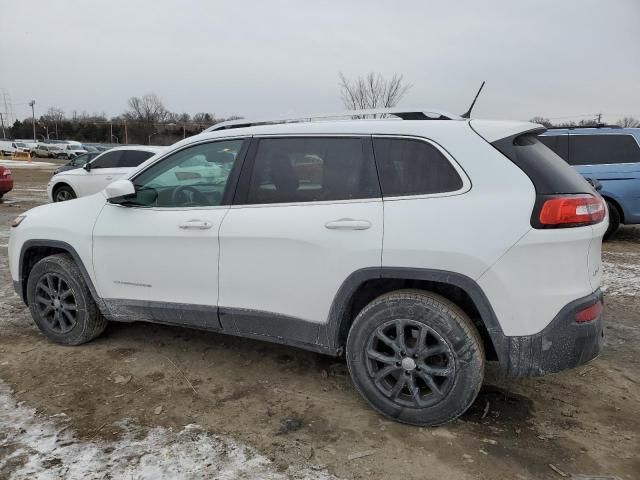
563,344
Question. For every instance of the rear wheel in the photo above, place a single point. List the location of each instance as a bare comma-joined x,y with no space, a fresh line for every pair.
60,302
416,357
614,220
63,193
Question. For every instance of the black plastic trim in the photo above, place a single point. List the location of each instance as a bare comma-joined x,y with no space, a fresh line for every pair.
71,251
561,345
335,328
183,314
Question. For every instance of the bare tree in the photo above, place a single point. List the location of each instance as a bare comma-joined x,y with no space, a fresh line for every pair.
542,121
54,116
629,122
205,118
372,91
147,109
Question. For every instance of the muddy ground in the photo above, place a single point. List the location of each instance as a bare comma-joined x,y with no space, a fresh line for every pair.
296,411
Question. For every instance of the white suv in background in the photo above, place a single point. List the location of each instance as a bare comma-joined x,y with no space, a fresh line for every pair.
98,173
419,247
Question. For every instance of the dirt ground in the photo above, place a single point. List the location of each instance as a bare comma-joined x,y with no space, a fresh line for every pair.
297,411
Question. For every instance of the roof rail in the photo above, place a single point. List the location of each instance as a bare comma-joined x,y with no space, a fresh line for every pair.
400,113
574,127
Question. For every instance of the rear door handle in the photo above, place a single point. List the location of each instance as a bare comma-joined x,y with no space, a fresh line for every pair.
197,224
348,224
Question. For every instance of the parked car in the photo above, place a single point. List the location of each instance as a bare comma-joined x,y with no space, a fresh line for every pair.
48,150
98,173
610,155
90,148
6,181
419,249
77,162
71,150
7,147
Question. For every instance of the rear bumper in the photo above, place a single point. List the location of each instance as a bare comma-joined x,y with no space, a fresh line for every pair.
563,344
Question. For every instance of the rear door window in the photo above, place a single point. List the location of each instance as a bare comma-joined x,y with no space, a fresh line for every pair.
133,158
108,160
603,149
413,167
291,170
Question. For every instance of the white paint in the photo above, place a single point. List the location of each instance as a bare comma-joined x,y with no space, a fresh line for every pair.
46,449
26,164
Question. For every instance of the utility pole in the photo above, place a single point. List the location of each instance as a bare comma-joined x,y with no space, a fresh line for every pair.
126,137
33,118
4,135
111,131
599,117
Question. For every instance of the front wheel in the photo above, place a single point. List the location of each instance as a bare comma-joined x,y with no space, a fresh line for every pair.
63,193
60,302
416,357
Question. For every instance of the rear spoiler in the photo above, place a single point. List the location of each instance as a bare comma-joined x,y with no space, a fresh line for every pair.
493,130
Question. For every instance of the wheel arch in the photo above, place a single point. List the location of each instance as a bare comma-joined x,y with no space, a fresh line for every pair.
33,251
364,285
616,203
62,183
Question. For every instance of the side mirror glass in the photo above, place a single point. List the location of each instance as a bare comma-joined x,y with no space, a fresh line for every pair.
119,191
87,166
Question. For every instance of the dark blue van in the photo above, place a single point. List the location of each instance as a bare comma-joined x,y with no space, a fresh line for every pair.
610,155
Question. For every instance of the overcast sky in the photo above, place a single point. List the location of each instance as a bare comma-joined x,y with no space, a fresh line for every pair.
258,58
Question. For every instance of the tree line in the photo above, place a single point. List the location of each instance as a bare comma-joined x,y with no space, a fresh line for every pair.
626,122
146,121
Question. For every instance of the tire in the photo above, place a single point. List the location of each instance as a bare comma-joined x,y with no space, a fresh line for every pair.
63,193
455,350
56,286
614,221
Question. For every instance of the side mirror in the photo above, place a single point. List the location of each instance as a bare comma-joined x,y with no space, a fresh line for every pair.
87,166
119,191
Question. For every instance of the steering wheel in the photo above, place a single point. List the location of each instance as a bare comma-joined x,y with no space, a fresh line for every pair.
195,199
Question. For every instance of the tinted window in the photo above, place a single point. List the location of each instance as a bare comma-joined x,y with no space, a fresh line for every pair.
133,158
558,143
547,171
413,167
311,169
108,160
601,149
193,177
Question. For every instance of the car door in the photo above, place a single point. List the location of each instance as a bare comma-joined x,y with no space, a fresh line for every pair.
614,160
307,214
156,257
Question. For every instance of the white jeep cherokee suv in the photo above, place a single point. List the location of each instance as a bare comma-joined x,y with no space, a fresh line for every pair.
98,173
419,246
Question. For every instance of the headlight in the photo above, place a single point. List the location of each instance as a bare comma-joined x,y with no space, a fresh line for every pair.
18,220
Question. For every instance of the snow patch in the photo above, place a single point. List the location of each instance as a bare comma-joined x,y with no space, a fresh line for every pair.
621,273
41,448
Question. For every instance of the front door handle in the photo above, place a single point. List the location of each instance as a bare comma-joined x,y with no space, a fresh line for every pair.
197,224
348,224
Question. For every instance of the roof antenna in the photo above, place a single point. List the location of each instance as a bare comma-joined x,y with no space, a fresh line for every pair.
468,112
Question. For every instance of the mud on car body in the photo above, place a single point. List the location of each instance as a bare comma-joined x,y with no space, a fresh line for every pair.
420,247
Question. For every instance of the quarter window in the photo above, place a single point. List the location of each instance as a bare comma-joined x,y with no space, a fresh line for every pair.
558,143
413,167
291,170
603,149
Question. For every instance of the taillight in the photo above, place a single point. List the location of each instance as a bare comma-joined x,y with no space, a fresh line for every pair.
568,211
590,313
